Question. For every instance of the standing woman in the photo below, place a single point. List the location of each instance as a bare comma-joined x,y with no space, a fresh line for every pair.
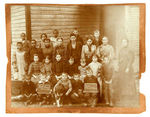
105,51
97,39
60,49
25,45
79,39
43,37
127,90
74,49
88,50
54,38
48,50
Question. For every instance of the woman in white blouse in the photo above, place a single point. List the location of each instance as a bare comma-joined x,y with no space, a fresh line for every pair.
88,50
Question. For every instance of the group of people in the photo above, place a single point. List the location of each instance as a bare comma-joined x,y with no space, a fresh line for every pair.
80,73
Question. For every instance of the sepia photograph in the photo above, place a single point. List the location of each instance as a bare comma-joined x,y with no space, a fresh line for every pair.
74,56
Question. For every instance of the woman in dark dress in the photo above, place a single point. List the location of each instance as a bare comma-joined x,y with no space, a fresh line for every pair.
126,87
74,49
60,49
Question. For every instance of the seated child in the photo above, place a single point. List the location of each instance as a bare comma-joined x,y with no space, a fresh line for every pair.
29,92
47,81
58,66
96,68
82,69
62,90
71,67
77,90
46,69
34,71
19,61
90,89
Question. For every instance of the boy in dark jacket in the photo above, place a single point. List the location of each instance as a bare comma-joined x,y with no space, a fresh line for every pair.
29,92
71,67
77,90
58,66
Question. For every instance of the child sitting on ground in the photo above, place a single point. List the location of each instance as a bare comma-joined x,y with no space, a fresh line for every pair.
29,92
77,90
62,90
71,67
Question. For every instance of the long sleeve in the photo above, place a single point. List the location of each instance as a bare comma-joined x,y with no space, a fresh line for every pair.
53,67
98,53
68,51
70,88
112,54
83,52
30,69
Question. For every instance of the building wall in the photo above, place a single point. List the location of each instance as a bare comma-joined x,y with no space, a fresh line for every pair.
18,24
44,19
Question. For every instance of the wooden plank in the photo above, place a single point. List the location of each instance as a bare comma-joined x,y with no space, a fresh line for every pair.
60,16
18,14
42,23
54,16
18,25
58,8
18,29
17,32
47,12
17,8
61,27
63,20
18,18
17,21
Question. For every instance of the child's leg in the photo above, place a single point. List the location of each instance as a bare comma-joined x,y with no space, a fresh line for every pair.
58,99
75,98
86,98
110,94
94,99
106,94
32,98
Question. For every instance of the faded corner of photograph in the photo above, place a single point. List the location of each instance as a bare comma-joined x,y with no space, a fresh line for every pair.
75,55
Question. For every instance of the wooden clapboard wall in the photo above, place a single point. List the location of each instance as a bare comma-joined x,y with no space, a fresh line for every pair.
44,19
18,24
